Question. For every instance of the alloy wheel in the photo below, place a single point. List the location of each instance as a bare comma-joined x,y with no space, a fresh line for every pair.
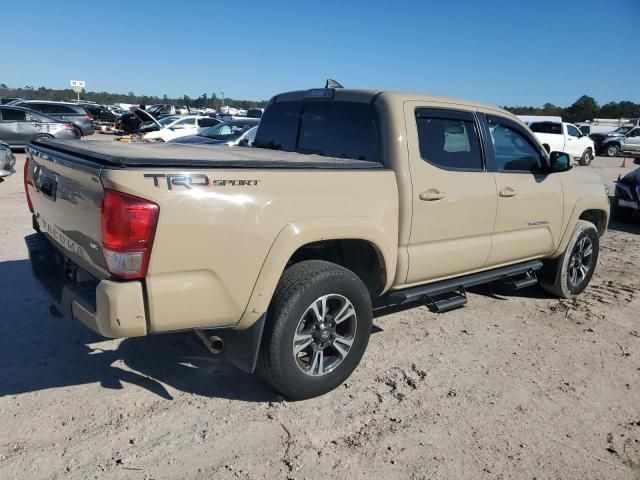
324,334
581,261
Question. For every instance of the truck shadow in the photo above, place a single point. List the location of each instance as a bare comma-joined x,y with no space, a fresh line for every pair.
40,352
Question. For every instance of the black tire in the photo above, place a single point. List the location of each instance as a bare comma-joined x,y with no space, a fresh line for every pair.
586,158
301,286
557,275
612,150
42,136
618,213
78,132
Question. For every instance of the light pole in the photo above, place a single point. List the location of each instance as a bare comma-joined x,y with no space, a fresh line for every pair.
222,106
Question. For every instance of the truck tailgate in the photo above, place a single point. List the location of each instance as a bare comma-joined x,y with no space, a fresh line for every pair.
66,194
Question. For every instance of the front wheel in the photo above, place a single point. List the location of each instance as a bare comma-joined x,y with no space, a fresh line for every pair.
586,158
568,275
612,150
317,330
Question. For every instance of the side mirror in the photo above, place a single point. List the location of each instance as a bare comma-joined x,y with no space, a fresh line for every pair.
560,162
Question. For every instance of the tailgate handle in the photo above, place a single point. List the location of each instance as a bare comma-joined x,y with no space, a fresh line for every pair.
48,188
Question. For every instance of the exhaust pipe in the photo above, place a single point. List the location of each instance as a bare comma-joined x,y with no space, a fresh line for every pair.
213,343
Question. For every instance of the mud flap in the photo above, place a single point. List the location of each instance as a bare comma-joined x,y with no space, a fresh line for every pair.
241,347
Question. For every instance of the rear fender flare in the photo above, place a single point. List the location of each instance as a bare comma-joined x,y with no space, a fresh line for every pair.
299,233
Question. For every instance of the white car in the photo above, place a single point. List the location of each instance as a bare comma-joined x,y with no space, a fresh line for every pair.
180,127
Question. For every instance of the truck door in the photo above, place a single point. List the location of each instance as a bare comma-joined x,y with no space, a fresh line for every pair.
454,197
530,202
575,146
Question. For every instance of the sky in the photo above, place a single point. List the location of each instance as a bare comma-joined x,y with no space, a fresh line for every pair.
502,52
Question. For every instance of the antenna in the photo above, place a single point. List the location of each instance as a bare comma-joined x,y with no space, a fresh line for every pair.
332,84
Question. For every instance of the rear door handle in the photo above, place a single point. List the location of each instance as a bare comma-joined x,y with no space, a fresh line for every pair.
432,194
508,192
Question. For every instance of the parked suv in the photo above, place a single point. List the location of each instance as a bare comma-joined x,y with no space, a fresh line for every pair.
629,142
68,112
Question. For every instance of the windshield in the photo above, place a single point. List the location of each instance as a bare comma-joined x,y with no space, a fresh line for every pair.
622,130
225,131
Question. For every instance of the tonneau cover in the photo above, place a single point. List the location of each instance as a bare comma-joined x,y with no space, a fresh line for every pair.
119,154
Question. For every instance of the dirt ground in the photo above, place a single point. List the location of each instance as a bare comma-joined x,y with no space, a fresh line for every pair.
514,385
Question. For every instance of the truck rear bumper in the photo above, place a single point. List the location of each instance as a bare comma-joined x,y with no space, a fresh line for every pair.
112,309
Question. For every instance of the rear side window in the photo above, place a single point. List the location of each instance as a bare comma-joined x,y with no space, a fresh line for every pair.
13,115
449,139
208,122
51,108
327,128
547,127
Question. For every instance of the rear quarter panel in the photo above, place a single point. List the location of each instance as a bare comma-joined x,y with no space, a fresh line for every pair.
212,241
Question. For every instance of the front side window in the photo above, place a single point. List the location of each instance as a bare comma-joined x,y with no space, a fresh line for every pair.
449,143
513,151
573,131
326,128
585,129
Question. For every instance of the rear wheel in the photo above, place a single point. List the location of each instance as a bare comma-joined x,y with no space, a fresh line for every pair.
568,275
586,158
612,150
42,136
78,132
317,329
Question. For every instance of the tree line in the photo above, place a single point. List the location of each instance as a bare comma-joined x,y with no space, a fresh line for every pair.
585,108
106,98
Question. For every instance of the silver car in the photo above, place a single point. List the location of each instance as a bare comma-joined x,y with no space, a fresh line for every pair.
18,126
7,161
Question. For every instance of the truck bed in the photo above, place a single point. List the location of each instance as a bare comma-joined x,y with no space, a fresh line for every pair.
121,155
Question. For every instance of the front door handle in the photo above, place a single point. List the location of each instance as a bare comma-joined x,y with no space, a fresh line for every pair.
432,194
508,192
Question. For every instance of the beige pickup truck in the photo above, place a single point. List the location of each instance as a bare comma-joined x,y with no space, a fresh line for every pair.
280,254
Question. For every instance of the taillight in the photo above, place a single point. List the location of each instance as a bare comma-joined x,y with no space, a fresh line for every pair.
88,117
26,184
68,126
128,226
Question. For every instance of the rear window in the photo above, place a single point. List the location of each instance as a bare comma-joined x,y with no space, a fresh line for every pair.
547,127
327,128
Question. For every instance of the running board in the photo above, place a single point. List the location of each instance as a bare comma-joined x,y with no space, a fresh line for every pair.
449,294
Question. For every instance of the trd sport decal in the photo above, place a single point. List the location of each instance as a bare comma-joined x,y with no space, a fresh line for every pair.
189,180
